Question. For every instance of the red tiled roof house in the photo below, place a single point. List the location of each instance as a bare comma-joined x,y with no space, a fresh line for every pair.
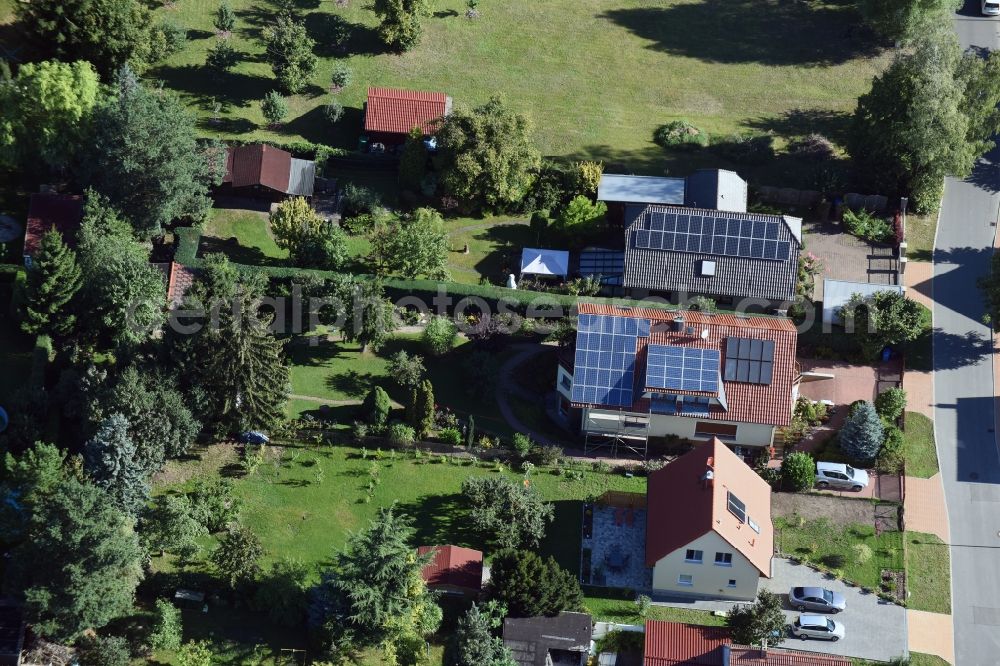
722,541
676,644
643,372
453,569
46,211
390,114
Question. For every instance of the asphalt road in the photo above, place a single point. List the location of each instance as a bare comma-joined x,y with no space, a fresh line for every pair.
964,393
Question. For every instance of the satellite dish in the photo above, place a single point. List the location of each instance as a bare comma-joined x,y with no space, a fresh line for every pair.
704,334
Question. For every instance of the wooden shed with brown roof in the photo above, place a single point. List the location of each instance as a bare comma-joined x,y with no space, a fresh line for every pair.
48,211
263,171
453,569
391,113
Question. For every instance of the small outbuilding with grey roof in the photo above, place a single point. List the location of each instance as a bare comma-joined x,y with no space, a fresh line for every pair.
563,640
619,191
717,189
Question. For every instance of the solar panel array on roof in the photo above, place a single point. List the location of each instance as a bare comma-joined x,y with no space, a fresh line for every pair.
604,366
749,360
682,368
712,234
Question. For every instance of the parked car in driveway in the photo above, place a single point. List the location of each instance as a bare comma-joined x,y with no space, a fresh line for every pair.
817,626
816,599
840,476
990,7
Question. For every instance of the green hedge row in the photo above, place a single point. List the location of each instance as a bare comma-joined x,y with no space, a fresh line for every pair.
541,303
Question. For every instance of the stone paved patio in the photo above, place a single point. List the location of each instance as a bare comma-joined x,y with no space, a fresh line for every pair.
848,258
622,530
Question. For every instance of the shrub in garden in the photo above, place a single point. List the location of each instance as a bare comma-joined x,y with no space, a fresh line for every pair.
812,147
862,435
376,408
333,111
679,134
406,370
105,651
890,457
273,107
890,403
862,552
439,335
359,200
401,434
222,57
868,226
342,75
452,436
587,176
522,444
798,471
746,148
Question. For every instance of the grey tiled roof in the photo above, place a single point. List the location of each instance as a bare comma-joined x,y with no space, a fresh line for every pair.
739,277
530,639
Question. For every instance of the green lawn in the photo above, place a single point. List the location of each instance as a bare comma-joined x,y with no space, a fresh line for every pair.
920,231
595,76
244,236
916,659
928,573
832,546
609,606
918,446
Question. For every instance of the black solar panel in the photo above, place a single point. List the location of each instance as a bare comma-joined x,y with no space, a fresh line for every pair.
698,234
749,360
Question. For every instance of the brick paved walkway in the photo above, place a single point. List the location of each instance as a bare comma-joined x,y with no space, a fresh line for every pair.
931,633
924,507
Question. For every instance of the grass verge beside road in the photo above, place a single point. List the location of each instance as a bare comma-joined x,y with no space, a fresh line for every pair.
928,573
919,451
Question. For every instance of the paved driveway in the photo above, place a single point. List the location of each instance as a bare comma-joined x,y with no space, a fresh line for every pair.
875,630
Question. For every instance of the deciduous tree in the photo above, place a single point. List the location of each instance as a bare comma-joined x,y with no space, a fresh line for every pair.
289,51
79,566
759,623
399,21
170,526
412,247
504,513
582,216
368,314
798,471
145,158
884,319
406,370
906,20
167,626
529,586
45,114
439,335
53,280
485,156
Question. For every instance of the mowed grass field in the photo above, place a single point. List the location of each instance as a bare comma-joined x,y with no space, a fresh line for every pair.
595,76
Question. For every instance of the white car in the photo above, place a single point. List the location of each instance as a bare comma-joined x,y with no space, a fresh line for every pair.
817,626
841,476
991,7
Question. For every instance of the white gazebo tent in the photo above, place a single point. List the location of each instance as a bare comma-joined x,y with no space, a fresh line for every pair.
549,263
837,293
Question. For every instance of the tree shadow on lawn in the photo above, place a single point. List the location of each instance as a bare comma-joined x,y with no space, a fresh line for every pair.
227,125
442,519
834,125
824,35
564,535
508,240
353,383
206,87
236,252
313,125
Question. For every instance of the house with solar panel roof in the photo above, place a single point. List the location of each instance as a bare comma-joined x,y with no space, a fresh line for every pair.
694,237
638,373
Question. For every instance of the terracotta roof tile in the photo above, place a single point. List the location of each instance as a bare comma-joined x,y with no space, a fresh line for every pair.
258,164
682,484
453,566
399,111
750,656
768,404
62,212
675,644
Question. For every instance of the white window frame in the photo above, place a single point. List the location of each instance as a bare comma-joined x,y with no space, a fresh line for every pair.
724,563
686,583
700,556
754,526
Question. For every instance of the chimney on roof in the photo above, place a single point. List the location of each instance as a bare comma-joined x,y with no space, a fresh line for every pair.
679,323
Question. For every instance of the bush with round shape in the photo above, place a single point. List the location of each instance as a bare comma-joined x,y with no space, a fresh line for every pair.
333,111
891,403
273,107
798,471
401,434
439,335
679,134
342,75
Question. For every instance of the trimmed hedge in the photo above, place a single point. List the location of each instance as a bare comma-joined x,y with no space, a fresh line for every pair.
541,304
